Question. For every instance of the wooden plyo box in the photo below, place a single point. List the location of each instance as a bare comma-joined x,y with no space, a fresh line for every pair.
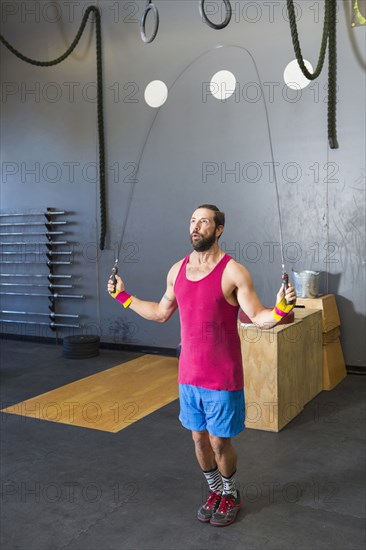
334,367
312,381
328,305
282,370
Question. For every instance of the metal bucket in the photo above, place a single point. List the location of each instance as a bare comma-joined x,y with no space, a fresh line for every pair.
306,283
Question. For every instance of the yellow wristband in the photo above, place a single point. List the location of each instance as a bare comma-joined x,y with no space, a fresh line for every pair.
281,310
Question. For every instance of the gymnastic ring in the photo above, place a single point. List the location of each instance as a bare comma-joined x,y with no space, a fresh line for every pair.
216,26
146,39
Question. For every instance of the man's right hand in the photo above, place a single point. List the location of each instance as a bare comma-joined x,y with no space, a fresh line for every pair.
119,285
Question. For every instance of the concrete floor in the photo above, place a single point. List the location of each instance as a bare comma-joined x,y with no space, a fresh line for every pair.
65,487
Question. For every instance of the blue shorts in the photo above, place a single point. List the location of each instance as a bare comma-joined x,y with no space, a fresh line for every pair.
221,413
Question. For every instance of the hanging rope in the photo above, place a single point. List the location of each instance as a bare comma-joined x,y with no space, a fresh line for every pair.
296,43
332,79
90,9
329,36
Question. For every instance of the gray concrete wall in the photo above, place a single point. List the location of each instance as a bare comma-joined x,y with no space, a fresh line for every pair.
199,150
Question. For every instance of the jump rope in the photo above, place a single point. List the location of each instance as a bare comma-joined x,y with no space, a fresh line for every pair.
284,276
329,32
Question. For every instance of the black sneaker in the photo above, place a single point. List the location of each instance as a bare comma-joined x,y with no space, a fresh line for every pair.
209,507
227,510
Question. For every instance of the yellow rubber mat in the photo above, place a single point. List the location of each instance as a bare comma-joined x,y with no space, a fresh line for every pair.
110,400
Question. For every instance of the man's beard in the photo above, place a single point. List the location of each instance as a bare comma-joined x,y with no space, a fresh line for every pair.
204,243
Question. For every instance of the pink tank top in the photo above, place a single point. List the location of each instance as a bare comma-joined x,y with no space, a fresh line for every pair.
211,353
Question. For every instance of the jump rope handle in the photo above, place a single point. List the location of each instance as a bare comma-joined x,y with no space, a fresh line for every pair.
285,284
113,275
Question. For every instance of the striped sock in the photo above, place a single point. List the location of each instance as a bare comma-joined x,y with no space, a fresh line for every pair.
229,485
214,480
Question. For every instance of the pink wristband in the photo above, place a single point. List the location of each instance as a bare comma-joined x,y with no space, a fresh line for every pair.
280,312
124,298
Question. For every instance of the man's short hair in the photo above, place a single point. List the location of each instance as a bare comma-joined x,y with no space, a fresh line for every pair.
219,217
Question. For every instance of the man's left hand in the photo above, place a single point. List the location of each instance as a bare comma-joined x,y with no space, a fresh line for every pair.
290,295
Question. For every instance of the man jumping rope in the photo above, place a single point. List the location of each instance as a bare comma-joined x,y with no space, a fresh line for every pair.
208,287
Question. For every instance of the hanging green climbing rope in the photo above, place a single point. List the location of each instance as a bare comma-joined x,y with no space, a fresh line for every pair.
103,215
330,37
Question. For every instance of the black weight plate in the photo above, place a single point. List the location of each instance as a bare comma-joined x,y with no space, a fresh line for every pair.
80,347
